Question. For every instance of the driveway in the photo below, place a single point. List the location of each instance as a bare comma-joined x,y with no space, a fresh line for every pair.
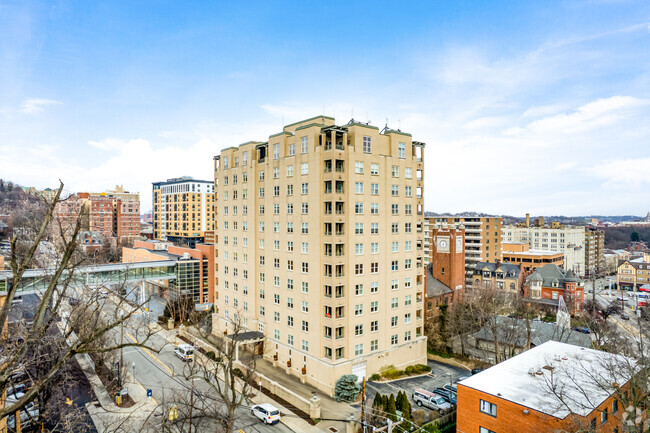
441,374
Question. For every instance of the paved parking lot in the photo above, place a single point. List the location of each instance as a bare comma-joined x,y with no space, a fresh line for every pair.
441,374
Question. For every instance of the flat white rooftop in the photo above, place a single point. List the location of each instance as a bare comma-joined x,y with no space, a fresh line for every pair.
584,378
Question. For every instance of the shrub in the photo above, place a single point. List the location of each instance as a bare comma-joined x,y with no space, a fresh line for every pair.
211,355
237,372
393,374
410,370
347,389
375,377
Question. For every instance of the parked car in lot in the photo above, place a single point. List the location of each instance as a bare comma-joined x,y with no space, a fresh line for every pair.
476,371
622,298
16,392
431,400
266,412
582,329
73,302
184,352
103,294
460,379
28,415
449,396
451,388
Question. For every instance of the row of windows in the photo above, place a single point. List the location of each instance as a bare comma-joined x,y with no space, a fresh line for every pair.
261,175
374,170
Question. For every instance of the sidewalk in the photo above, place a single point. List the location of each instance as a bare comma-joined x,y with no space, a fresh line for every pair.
106,415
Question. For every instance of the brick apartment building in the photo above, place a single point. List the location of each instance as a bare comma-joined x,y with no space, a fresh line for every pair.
113,214
515,395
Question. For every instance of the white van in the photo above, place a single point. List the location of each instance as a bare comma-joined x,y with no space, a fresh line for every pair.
184,352
431,400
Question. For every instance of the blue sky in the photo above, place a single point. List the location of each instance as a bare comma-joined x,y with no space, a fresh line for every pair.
540,107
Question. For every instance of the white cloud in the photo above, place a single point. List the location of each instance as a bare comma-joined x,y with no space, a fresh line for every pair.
33,106
626,173
592,115
486,122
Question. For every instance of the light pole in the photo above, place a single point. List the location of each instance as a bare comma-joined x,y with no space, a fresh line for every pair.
119,375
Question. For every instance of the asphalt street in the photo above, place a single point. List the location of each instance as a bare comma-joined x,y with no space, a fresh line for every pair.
161,371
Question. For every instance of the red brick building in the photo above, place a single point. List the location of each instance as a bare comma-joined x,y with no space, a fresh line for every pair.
552,387
111,215
445,276
547,284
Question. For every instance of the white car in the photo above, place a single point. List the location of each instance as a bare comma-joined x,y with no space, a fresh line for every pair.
28,415
268,413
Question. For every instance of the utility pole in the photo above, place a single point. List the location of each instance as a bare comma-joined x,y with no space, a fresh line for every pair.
363,404
191,402
119,372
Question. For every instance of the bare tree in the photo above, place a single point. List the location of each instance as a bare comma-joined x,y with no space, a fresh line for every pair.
218,384
485,306
46,329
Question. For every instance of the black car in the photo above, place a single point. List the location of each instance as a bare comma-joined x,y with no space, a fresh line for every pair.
73,301
476,370
446,394
582,329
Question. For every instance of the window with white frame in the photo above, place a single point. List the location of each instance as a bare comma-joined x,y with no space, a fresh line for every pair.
374,169
304,168
367,144
488,408
304,144
358,167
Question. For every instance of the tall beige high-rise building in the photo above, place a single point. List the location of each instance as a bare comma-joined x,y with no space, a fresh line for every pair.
320,239
183,210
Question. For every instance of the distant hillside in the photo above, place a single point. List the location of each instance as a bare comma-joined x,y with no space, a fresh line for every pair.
620,237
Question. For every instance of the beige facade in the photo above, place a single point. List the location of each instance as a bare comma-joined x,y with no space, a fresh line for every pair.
482,239
320,240
632,274
594,251
183,210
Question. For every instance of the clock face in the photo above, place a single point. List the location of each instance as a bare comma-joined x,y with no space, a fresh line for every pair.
443,244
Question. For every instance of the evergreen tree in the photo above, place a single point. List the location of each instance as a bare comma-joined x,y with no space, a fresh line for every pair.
391,408
347,388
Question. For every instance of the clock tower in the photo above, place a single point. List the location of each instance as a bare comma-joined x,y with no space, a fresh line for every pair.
448,258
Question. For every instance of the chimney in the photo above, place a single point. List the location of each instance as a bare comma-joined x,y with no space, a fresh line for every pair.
527,220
